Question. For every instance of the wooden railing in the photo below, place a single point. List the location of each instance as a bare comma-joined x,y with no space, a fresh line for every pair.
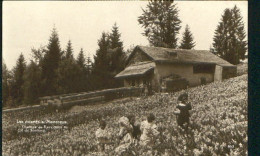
91,97
22,108
68,100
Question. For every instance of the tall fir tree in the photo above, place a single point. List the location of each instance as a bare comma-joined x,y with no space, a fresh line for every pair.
101,63
5,84
37,57
117,52
115,37
187,39
90,75
18,81
229,39
89,65
81,59
240,43
69,51
161,23
68,76
32,84
68,73
50,64
83,77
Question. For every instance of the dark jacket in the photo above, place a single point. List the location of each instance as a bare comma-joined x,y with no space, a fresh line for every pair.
184,113
136,131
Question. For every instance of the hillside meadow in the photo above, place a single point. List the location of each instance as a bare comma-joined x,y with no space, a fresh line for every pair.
218,124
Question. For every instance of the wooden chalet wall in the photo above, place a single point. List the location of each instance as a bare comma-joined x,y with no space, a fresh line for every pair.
183,70
138,57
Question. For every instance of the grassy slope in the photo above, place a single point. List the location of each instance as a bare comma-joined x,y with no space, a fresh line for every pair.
218,119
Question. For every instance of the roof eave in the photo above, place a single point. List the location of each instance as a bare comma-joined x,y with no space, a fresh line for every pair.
133,75
182,62
129,76
226,64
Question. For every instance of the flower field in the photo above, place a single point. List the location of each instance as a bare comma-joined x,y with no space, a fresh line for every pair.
218,124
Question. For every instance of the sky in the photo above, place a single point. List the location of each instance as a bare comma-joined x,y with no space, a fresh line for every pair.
28,24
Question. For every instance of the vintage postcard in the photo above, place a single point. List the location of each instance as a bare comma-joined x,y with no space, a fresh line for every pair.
126,78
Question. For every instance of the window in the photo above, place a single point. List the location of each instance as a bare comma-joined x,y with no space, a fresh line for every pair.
203,68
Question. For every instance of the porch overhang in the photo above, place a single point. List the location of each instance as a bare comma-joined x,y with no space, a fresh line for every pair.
136,70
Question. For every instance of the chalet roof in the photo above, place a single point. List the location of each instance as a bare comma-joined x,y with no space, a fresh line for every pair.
137,69
164,55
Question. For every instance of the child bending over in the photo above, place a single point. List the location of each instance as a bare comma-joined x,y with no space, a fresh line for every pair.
125,136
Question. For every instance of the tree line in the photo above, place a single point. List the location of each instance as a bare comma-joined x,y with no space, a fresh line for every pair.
161,25
53,70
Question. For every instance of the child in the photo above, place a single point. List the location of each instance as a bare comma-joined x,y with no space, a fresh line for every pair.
149,132
125,136
136,128
102,136
183,117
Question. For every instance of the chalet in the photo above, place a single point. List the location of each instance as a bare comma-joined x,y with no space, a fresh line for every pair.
154,65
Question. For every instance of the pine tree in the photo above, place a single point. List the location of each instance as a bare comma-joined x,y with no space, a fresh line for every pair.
90,76
116,51
83,83
5,84
18,80
89,65
69,73
50,64
32,83
101,63
69,51
115,38
68,76
81,59
161,23
229,39
239,32
187,40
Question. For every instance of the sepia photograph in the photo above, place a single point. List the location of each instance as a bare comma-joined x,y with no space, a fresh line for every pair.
125,78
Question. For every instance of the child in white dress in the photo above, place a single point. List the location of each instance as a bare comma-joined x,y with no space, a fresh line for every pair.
102,136
149,132
125,136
